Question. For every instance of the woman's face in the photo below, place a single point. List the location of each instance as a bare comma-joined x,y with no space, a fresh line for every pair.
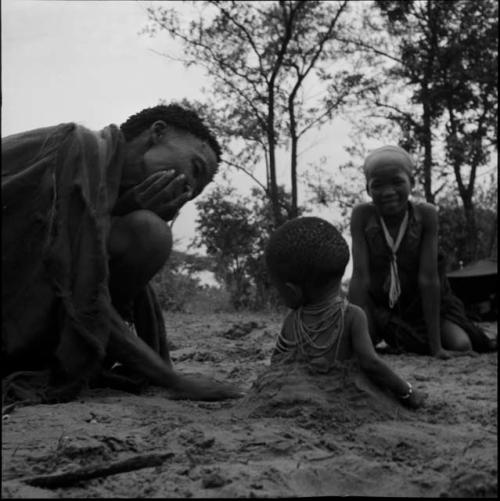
183,153
389,187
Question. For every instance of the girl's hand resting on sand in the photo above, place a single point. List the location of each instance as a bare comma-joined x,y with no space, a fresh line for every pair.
443,354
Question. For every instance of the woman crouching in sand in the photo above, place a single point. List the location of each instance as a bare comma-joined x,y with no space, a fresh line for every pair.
306,258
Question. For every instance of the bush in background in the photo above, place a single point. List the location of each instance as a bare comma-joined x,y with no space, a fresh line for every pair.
452,227
174,288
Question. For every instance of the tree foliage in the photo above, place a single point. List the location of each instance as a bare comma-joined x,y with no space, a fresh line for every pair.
420,73
437,91
453,233
452,58
176,283
273,72
234,230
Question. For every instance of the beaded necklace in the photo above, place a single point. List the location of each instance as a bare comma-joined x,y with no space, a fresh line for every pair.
328,318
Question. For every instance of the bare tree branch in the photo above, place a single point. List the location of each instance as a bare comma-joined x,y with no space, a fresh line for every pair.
247,34
364,45
249,174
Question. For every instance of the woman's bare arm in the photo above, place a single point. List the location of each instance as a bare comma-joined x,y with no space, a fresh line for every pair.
128,349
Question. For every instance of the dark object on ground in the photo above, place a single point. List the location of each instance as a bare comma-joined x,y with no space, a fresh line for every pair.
239,330
476,285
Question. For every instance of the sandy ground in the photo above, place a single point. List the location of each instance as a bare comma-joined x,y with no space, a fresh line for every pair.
288,438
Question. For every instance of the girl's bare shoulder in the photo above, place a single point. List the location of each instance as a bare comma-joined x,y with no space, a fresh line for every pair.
353,315
426,212
362,211
425,209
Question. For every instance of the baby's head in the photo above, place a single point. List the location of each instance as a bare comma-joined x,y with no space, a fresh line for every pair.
305,257
389,178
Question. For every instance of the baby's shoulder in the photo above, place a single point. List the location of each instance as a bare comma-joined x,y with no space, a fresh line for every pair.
353,315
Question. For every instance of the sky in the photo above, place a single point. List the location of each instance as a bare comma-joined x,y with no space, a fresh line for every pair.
86,62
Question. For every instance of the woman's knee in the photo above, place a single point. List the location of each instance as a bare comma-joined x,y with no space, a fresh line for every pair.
141,235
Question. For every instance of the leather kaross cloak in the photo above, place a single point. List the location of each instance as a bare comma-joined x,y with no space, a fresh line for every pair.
59,185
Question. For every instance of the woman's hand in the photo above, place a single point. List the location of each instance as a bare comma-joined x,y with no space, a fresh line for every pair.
161,193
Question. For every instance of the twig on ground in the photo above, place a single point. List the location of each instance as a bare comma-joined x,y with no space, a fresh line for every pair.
321,458
65,479
7,409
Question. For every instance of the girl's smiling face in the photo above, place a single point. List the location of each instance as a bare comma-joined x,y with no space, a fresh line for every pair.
389,186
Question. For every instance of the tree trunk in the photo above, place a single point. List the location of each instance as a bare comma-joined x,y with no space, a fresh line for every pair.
273,189
426,101
427,142
493,245
455,153
293,159
471,244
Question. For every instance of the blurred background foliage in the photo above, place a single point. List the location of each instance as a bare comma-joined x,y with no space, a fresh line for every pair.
419,73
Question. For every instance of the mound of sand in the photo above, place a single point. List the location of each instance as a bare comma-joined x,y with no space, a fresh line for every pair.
342,397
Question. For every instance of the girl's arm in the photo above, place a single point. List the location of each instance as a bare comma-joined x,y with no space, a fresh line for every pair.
428,279
374,366
360,280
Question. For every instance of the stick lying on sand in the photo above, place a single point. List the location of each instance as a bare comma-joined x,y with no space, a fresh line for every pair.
70,477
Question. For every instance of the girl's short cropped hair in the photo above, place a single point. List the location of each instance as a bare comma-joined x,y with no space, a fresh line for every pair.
307,250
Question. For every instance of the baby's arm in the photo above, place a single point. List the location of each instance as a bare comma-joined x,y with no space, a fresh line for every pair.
360,280
374,366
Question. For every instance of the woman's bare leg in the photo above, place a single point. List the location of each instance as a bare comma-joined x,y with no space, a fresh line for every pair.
139,245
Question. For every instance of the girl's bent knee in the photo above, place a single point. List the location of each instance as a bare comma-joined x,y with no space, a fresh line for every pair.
455,338
462,345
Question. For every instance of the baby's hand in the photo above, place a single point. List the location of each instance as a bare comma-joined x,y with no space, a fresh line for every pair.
415,400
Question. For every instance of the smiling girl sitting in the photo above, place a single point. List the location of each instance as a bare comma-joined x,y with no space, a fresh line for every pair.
397,277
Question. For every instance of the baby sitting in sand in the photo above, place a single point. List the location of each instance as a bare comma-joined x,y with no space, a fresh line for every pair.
306,258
